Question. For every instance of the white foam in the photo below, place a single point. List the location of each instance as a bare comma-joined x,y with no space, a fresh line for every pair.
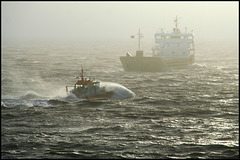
196,65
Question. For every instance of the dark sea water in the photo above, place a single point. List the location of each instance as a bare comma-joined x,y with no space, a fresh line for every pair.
180,113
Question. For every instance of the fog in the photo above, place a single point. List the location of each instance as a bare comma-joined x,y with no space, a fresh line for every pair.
116,21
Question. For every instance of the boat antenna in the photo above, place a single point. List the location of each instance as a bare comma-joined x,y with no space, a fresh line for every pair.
176,21
139,36
82,79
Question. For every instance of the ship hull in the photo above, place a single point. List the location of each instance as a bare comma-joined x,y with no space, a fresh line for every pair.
153,64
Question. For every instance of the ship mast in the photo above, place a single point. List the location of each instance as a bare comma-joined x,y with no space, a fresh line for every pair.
176,30
139,37
176,21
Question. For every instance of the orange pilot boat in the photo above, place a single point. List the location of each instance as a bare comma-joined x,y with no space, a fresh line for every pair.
88,89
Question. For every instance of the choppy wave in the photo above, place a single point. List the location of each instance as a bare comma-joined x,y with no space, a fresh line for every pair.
191,113
31,95
24,103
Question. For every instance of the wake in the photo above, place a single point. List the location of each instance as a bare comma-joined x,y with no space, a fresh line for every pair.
33,99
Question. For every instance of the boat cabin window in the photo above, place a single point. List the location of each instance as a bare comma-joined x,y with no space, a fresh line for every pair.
175,37
79,86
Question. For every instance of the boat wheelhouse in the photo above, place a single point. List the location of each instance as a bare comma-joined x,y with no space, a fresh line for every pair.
88,89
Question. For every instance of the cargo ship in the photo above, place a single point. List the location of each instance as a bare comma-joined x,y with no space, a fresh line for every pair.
171,50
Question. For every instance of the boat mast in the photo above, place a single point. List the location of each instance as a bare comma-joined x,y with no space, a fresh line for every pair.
82,78
176,21
139,37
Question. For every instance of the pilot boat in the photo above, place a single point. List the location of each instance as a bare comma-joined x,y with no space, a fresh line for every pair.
171,50
88,89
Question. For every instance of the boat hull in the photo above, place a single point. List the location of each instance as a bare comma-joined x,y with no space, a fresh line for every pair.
105,95
153,64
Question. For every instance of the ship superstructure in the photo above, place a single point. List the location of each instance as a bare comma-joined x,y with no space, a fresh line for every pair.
174,45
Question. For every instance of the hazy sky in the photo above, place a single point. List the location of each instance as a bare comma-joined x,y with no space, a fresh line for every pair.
116,20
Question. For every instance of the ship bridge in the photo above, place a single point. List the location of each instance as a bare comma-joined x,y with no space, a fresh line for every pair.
174,37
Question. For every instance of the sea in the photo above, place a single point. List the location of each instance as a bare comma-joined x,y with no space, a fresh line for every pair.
187,113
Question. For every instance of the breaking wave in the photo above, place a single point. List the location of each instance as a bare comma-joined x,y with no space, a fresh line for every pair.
196,65
30,95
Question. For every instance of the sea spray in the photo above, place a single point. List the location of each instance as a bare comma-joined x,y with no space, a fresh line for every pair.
120,92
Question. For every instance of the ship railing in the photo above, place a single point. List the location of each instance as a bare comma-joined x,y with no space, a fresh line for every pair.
67,89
